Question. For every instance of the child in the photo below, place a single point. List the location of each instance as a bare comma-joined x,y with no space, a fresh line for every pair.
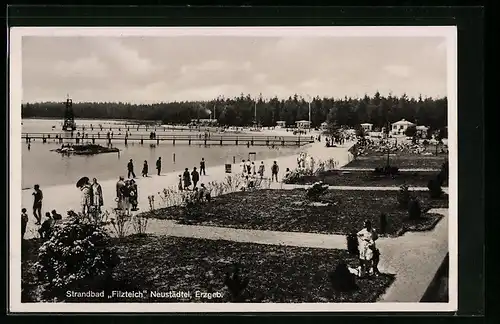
24,222
46,227
180,183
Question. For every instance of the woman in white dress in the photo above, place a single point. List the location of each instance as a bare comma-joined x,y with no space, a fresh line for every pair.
97,195
86,197
367,248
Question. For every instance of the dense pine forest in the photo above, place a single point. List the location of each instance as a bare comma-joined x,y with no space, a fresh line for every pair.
240,111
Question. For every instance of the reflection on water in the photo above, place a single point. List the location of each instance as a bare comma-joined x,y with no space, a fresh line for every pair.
40,165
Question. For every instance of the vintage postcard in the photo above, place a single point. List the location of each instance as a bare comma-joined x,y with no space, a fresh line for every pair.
233,169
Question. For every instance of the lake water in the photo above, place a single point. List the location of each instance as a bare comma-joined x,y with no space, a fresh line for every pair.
46,168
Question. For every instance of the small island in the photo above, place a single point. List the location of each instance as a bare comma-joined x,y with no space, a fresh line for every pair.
85,149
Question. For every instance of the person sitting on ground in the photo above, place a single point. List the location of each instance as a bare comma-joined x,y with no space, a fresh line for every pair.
24,222
287,173
204,193
56,216
46,228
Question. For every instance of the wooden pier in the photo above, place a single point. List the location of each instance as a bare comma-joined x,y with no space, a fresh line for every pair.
248,140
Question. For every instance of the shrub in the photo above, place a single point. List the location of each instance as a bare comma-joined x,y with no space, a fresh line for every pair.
434,187
236,283
342,279
404,196
387,170
140,224
316,190
425,142
414,209
383,223
77,253
443,174
353,244
120,223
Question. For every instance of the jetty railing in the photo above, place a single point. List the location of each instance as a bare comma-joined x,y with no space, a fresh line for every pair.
212,139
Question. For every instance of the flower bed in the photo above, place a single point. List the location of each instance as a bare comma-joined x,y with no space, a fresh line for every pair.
275,273
401,161
337,211
366,178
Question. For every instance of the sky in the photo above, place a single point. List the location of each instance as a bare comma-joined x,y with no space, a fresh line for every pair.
162,69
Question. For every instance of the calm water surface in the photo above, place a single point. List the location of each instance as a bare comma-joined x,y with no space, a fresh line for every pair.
41,166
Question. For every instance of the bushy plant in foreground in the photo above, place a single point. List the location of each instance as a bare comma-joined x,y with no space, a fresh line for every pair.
316,190
414,209
342,279
434,187
77,252
404,196
353,244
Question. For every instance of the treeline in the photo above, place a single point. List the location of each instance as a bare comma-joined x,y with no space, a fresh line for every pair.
240,111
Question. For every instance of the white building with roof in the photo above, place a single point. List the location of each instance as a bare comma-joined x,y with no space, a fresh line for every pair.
303,124
400,127
422,131
367,127
281,124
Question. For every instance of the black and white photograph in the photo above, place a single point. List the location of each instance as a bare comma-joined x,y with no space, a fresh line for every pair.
233,169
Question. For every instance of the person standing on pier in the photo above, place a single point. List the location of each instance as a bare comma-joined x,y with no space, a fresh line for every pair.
274,171
145,168
261,169
202,166
195,176
158,165
97,198
130,168
37,204
187,179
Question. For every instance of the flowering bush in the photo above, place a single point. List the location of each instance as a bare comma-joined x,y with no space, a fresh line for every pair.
76,252
120,223
140,224
316,190
404,196
295,175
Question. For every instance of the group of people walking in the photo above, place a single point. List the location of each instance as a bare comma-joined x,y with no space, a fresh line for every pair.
248,170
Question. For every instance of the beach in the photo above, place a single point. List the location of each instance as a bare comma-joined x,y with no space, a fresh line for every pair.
67,197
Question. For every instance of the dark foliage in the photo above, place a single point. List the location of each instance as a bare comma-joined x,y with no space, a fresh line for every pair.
279,274
383,224
239,111
236,283
291,211
386,170
342,280
352,244
364,178
435,190
314,193
404,196
414,209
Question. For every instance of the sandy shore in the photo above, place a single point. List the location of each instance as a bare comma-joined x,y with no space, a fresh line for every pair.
66,197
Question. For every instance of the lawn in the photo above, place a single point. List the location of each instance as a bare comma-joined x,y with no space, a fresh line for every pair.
339,212
369,178
402,161
276,273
